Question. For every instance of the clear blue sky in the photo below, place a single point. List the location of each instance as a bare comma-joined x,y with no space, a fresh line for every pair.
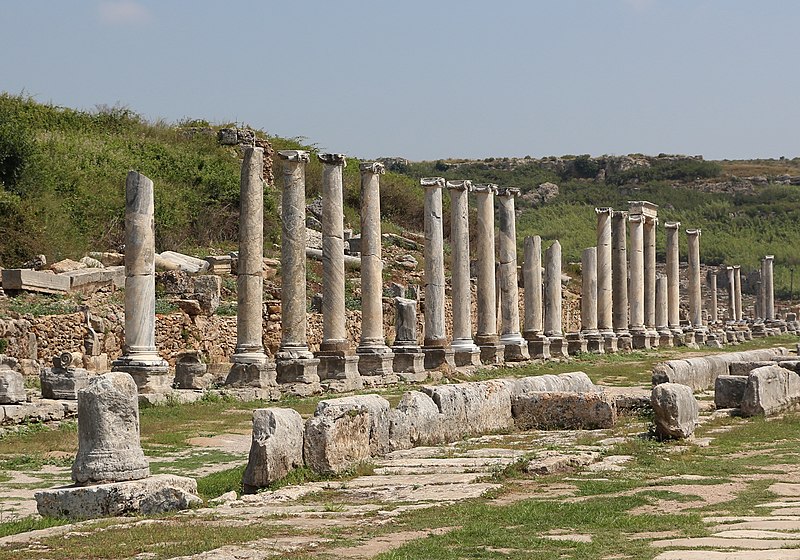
431,79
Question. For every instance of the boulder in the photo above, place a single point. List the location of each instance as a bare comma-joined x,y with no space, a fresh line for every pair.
276,449
729,391
564,411
336,440
770,390
376,407
66,265
675,410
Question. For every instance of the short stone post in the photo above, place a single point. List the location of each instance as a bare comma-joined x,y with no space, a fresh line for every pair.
605,323
589,330
619,274
437,351
533,332
139,354
465,351
338,367
737,279
673,281
516,348
375,359
486,336
552,301
769,288
409,361
636,286
662,313
296,365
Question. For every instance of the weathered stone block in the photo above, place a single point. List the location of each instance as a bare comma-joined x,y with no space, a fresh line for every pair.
191,372
573,382
675,410
414,421
770,390
276,449
12,386
744,368
63,383
259,376
34,281
376,407
564,411
472,408
729,391
337,440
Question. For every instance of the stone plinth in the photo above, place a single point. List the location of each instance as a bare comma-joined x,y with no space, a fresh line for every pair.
63,380
576,344
409,361
256,375
539,347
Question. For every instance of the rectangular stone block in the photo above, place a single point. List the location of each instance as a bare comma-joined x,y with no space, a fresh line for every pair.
729,391
563,411
770,390
377,409
276,449
336,441
34,281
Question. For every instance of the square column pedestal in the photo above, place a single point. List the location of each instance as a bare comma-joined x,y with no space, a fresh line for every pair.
492,352
466,355
624,342
665,338
576,344
438,356
409,364
610,342
594,343
641,341
538,346
558,347
376,366
338,371
151,376
298,376
259,375
515,349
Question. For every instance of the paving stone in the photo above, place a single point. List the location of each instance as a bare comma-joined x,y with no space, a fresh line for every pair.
718,542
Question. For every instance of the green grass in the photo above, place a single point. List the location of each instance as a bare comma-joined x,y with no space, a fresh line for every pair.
218,483
28,524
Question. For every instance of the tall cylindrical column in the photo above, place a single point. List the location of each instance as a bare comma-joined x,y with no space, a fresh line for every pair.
552,291
737,277
636,287
466,352
486,334
140,357
662,315
769,288
435,335
294,344
604,279
731,294
695,293
673,275
589,291
713,289
759,303
619,272
762,292
249,272
650,272
507,255
532,278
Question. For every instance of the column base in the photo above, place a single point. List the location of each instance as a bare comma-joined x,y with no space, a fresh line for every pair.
594,343
678,338
610,342
338,372
576,344
700,336
298,376
150,372
539,347
492,354
713,341
409,364
689,340
516,351
467,358
652,334
438,356
261,375
375,364
624,342
640,340
558,347
665,338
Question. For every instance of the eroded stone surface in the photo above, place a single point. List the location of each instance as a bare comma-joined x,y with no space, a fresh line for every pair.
277,446
676,410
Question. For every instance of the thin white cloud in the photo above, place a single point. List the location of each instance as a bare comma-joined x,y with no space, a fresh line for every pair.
123,12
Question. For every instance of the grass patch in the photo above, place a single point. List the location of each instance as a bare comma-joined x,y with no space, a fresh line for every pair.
218,483
29,524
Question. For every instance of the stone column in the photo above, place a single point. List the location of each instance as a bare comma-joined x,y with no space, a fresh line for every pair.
297,367
650,275
713,289
619,274
737,278
466,353
769,288
695,292
594,340
374,357
486,335
516,348
662,312
636,286
338,367
409,361
605,321
552,301
250,367
759,303
140,357
538,344
673,280
731,294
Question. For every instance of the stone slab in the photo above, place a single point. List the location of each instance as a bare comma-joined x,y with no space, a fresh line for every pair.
770,390
34,281
563,410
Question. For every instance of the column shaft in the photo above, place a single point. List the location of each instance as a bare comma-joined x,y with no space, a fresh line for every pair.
673,275
532,277
713,287
769,289
737,278
619,273
334,327
435,335
695,293
371,265
487,310
552,291
731,294
459,241
636,287
509,287
604,278
650,272
589,291
662,315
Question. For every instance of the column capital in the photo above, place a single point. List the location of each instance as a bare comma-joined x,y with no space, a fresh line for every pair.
736,267
333,159
372,167
713,273
672,225
294,155
507,191
643,207
604,210
769,257
465,185
636,218
432,182
696,232
619,214
484,188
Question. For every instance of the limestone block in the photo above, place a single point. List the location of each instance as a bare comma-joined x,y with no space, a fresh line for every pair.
675,410
276,449
191,372
729,391
700,373
472,408
414,421
109,259
178,261
153,495
12,386
337,440
573,382
91,262
564,411
376,407
66,265
208,290
252,375
34,281
770,390
61,382
744,368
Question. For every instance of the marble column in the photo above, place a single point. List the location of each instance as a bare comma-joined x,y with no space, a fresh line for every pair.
713,288
338,367
374,357
636,286
409,361
673,280
759,303
695,285
619,274
589,330
533,332
769,288
737,279
662,312
650,276
250,366
465,351
552,301
731,294
762,293
516,348
140,357
605,323
296,365
486,336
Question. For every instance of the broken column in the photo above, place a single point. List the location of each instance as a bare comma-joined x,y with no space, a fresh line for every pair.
437,351
662,313
673,281
374,357
552,301
250,365
486,336
589,330
139,354
538,344
619,275
636,286
605,323
466,352
769,288
338,367
296,365
516,348
12,382
409,361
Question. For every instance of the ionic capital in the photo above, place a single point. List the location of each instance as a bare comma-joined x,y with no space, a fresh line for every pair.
485,188
294,155
333,159
465,185
432,182
374,167
507,191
